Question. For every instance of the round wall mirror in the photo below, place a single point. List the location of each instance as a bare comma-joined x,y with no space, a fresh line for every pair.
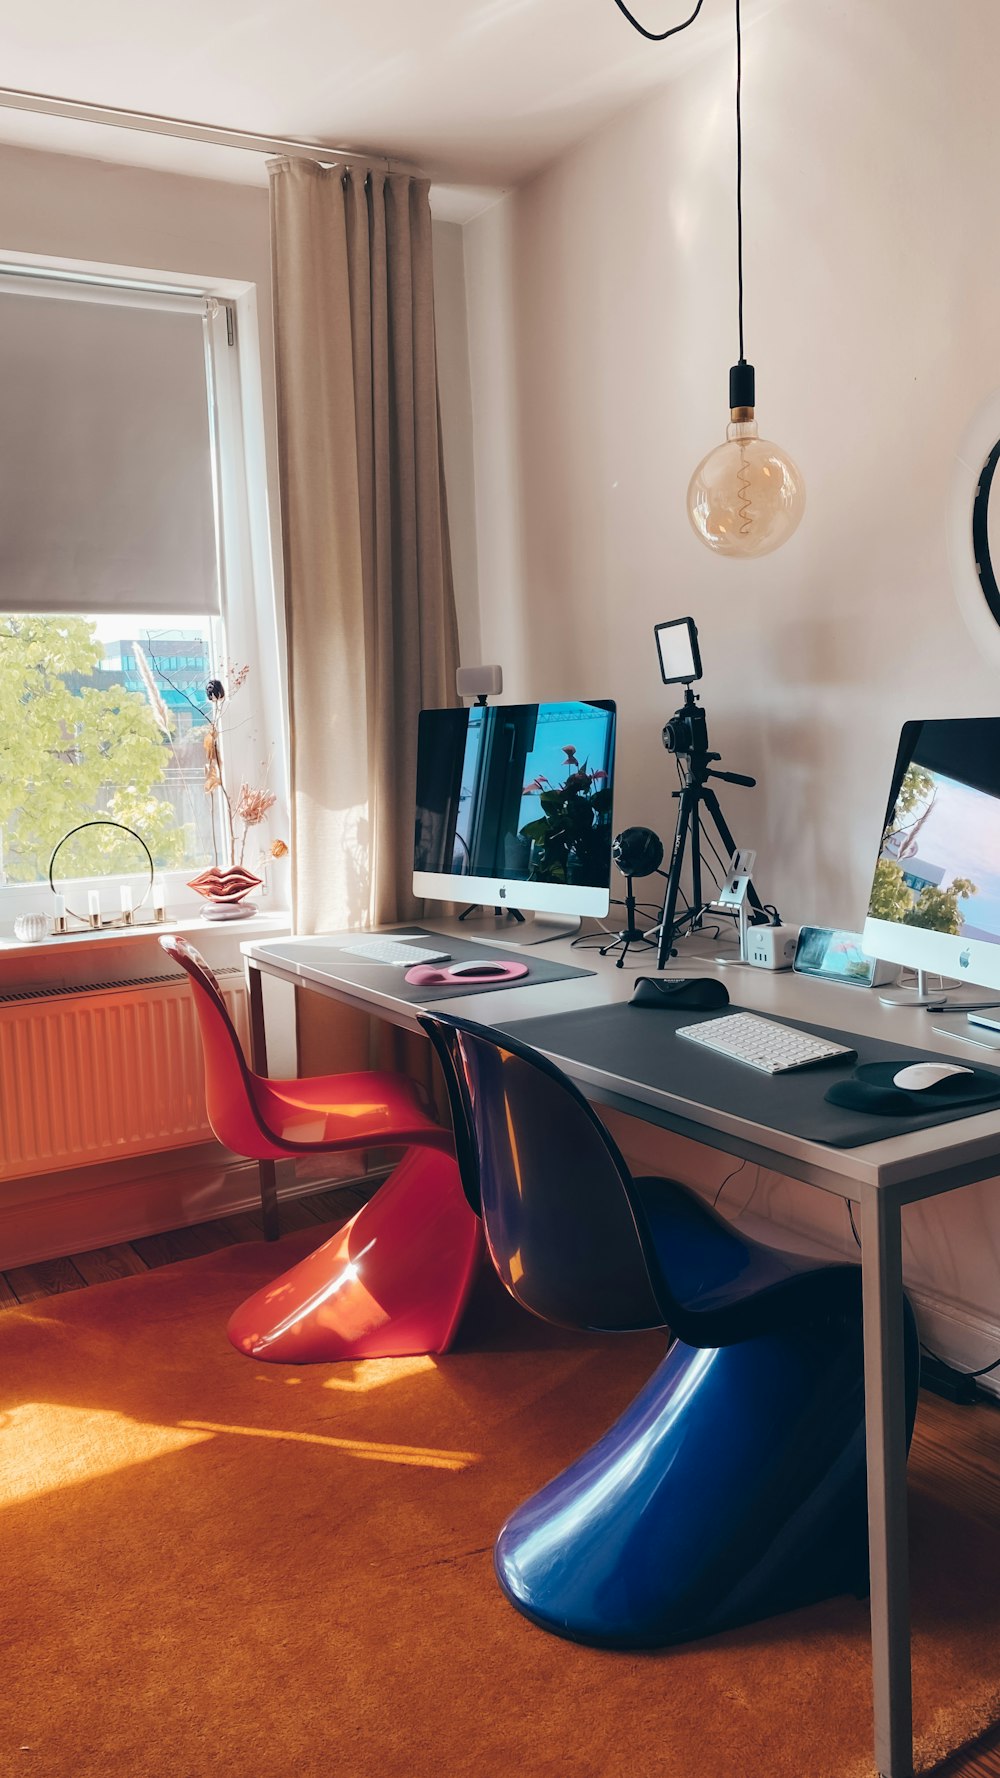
986,531
974,527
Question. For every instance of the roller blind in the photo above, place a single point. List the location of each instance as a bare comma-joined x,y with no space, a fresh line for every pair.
106,477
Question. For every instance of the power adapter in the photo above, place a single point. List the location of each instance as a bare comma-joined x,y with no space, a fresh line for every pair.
941,1379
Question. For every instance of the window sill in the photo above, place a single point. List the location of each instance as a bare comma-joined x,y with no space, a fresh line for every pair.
125,935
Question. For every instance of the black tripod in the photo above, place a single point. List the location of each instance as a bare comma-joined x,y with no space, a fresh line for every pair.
694,794
630,935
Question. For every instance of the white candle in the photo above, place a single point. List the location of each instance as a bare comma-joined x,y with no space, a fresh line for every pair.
126,895
94,906
60,901
159,898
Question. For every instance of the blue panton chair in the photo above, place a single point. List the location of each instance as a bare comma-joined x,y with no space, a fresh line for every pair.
733,1487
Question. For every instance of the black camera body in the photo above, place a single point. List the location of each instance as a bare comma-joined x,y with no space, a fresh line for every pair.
686,733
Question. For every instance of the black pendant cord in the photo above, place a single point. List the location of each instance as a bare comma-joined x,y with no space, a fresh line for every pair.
739,172
660,37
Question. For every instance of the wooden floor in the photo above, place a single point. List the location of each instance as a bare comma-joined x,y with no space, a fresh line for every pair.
956,1450
50,1277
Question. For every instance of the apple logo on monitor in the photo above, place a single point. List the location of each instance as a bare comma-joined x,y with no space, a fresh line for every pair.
965,958
502,892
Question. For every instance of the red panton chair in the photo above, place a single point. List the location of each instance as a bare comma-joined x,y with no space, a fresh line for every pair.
395,1279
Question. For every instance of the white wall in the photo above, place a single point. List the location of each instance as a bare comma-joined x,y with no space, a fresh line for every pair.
602,315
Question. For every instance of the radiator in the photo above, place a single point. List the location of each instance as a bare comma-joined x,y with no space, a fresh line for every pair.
101,1073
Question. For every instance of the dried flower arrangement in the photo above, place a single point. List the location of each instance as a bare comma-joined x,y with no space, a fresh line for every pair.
248,808
224,885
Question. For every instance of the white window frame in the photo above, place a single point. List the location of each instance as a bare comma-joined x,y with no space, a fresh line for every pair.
250,614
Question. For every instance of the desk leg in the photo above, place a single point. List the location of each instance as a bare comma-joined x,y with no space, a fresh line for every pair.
266,1170
885,1428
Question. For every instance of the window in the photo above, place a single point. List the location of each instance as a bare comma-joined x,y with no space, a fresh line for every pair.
133,569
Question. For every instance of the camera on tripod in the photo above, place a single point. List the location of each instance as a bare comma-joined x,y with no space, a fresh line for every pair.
686,736
687,731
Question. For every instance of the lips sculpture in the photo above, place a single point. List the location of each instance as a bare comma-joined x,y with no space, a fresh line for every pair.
224,891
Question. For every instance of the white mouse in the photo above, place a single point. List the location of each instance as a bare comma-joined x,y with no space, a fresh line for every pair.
921,1075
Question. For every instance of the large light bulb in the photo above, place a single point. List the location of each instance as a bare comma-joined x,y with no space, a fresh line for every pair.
747,496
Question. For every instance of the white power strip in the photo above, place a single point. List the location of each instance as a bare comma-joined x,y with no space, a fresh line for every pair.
771,947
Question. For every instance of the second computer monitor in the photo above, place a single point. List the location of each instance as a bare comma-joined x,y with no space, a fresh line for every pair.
514,806
935,898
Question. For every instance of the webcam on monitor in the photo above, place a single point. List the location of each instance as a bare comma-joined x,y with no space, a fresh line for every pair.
677,647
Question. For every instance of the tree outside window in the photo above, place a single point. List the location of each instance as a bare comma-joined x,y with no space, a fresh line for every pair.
80,737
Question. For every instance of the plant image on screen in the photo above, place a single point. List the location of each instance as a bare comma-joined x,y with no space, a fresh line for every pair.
930,825
571,838
517,793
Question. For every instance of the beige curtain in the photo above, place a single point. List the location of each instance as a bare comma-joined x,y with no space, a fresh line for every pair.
369,599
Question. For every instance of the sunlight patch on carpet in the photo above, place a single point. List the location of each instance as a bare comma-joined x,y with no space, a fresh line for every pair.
415,1455
375,1373
92,1442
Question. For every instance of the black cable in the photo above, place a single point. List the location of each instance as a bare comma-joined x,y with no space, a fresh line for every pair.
720,861
951,1367
739,171
725,1182
986,1369
659,36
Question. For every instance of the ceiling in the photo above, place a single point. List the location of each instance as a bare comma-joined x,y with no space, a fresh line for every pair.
479,93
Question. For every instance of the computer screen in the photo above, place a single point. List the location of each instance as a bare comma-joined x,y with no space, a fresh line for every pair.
935,897
514,805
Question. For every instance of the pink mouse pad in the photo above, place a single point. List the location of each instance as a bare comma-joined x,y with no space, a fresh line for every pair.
480,970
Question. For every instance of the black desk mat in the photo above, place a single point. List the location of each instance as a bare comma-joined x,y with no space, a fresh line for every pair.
639,1044
390,978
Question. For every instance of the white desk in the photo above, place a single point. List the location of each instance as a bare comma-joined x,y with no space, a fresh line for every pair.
881,1177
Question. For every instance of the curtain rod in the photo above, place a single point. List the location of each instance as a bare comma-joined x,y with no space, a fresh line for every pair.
82,111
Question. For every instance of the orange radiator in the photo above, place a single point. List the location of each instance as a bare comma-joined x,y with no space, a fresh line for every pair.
100,1073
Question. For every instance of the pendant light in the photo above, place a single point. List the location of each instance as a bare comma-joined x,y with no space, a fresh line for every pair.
747,496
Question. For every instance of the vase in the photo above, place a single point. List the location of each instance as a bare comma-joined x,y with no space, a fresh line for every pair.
31,928
224,891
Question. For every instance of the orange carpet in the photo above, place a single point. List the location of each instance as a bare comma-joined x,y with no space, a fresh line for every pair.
217,1569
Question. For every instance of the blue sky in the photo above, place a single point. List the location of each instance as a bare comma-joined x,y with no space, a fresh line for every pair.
962,834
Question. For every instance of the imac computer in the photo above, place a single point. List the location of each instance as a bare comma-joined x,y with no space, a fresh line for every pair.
514,807
935,898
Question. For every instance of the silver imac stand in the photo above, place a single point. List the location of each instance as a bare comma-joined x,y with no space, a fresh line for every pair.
543,927
527,929
955,999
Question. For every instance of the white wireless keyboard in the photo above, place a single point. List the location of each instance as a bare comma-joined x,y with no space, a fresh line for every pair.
392,950
760,1043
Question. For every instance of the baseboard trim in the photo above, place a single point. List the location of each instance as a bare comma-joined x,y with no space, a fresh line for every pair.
75,1214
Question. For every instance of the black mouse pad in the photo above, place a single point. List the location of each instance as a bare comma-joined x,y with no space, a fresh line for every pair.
390,978
640,1045
872,1087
